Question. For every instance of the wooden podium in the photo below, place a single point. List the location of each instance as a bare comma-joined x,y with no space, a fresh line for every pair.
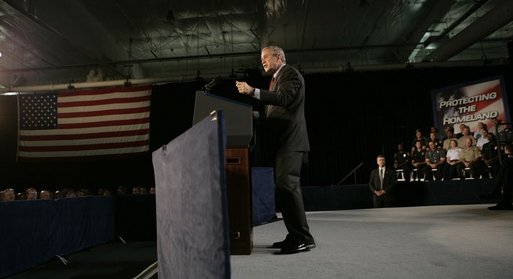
238,119
240,217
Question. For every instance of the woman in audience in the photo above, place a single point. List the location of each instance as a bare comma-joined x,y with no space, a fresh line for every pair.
453,160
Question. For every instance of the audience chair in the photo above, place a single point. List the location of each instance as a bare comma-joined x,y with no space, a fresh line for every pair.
434,172
400,175
467,173
414,176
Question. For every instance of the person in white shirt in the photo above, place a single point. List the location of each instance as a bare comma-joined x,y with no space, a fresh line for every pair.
453,160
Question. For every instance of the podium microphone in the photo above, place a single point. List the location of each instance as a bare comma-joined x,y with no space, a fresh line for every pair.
211,84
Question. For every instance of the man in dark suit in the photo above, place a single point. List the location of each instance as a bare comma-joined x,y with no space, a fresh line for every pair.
382,181
504,186
286,125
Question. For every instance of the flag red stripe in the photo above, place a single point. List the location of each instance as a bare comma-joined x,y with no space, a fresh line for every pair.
86,136
103,102
83,147
103,112
105,123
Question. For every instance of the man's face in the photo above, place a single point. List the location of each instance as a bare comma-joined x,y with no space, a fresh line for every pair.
432,145
9,195
270,62
469,142
32,195
380,161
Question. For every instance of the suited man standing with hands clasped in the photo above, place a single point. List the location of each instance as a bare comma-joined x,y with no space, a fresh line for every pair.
285,121
382,180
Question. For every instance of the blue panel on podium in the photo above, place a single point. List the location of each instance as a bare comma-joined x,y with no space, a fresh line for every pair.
192,222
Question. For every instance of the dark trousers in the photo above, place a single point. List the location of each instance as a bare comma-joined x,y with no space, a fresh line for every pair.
383,201
289,195
505,182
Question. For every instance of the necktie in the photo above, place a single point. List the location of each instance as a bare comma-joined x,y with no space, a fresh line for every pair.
381,171
271,84
268,107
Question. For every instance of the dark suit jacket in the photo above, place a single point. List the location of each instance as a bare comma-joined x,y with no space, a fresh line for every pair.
285,117
388,180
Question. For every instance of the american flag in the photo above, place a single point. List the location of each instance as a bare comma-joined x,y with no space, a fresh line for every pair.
84,124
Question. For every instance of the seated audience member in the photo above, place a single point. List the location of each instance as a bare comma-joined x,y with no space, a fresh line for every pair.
435,159
45,195
402,160
504,186
460,134
20,196
152,190
136,190
449,131
453,161
433,137
418,161
71,193
58,194
419,137
143,190
121,190
31,194
471,158
82,192
483,138
439,136
462,141
490,155
9,194
481,126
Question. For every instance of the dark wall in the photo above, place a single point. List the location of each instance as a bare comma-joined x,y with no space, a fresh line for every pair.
351,117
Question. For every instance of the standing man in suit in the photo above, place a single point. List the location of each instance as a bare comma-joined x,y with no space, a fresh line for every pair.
504,186
382,180
285,121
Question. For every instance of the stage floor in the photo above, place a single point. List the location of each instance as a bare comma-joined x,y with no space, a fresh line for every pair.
449,241
454,241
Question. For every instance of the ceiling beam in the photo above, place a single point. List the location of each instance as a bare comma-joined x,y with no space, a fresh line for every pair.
432,12
496,18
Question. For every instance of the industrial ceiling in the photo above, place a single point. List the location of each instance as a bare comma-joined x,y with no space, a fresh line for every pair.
76,41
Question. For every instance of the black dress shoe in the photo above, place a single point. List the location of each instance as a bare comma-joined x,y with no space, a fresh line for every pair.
293,247
280,244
